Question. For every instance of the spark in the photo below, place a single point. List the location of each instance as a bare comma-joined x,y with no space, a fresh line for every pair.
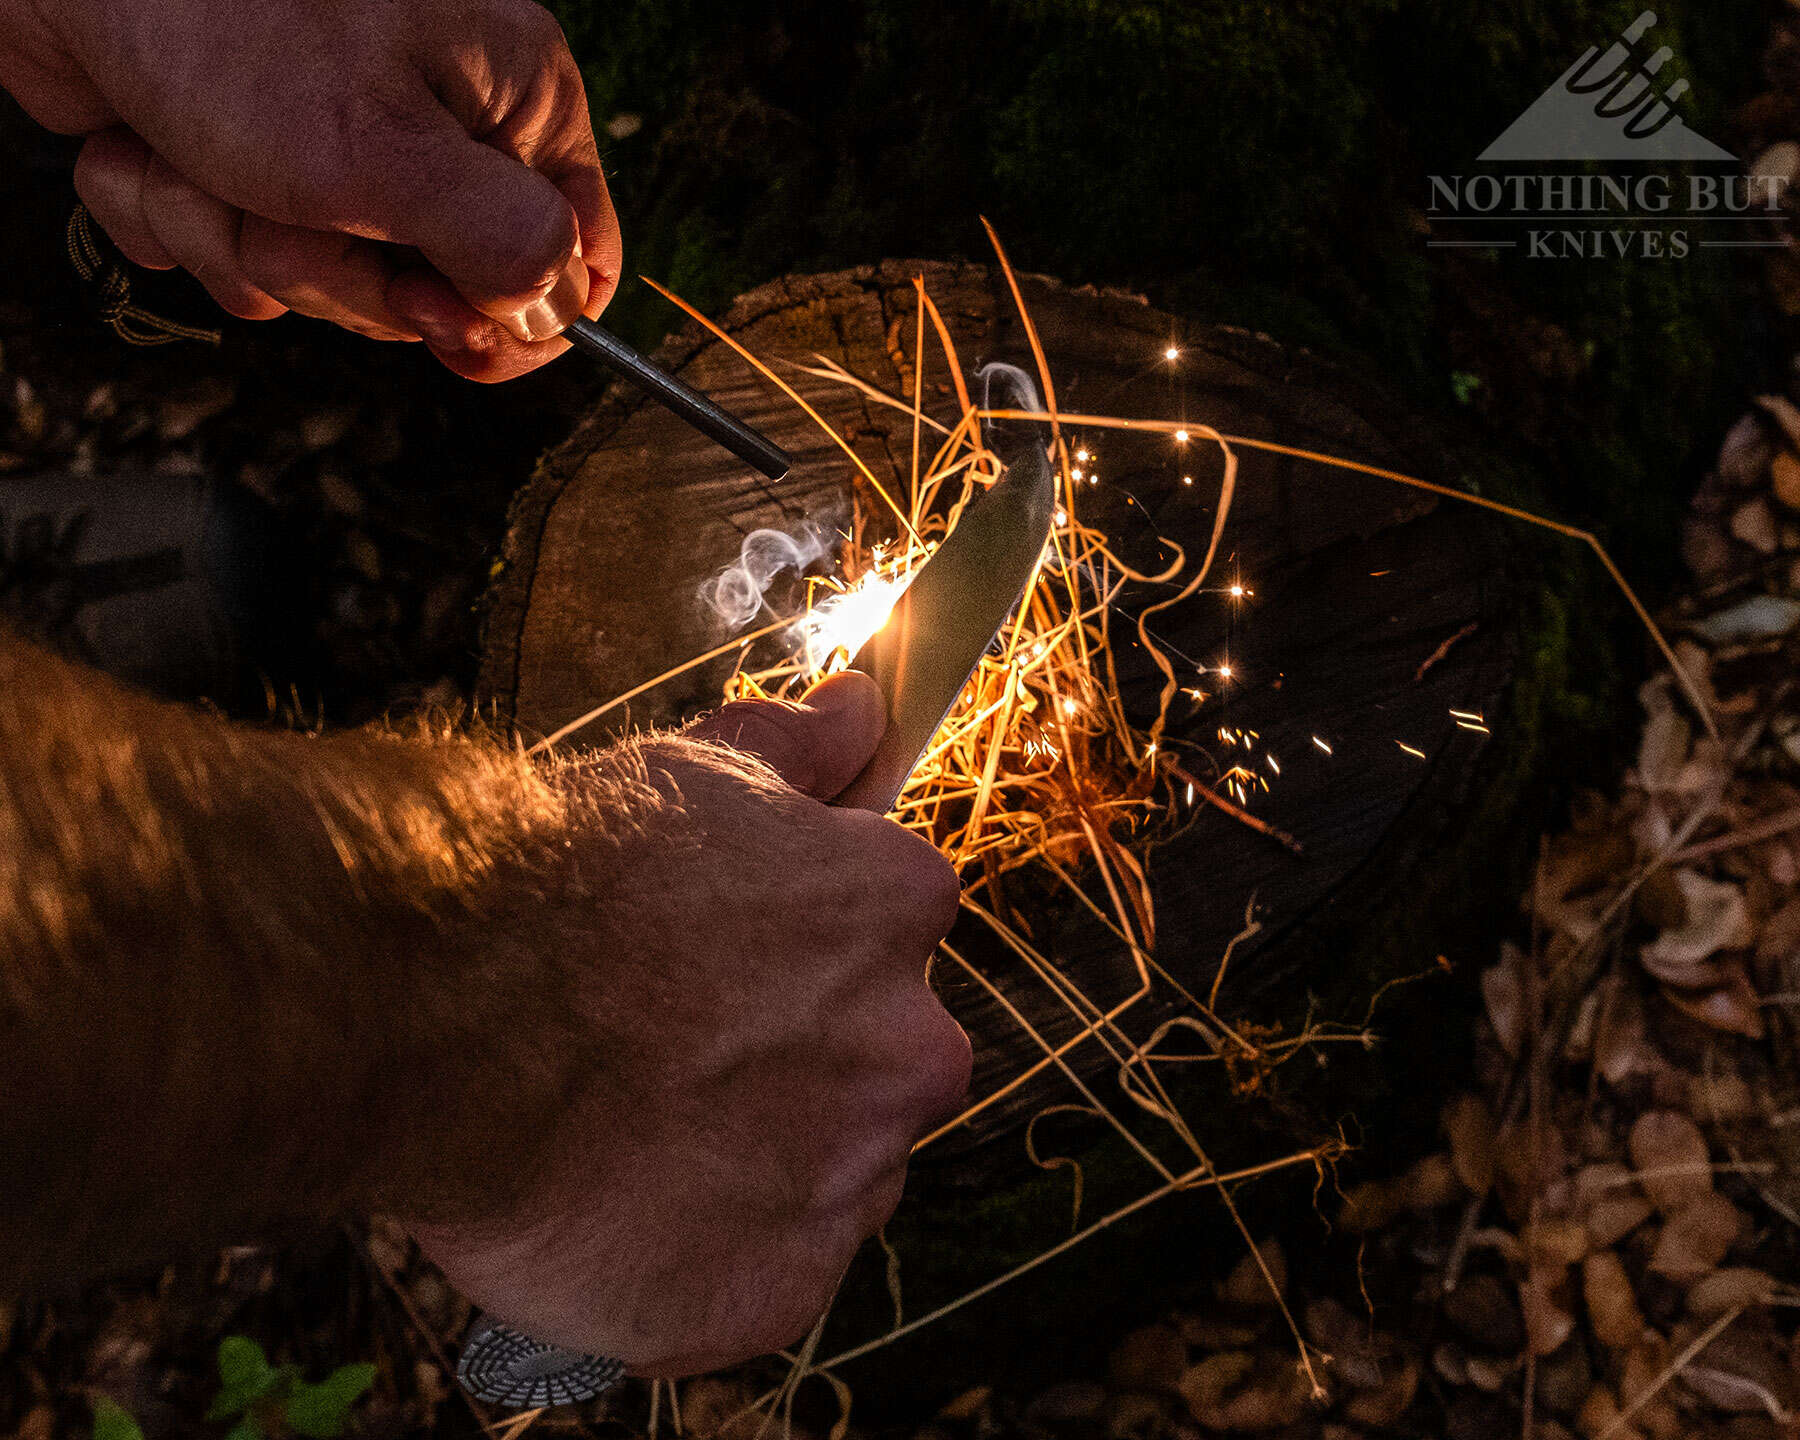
1195,693
1410,750
1190,792
1237,592
1068,706
1181,437
1187,479
1062,517
1171,353
1225,670
1076,472
1082,456
1272,763
1471,725
1321,744
1377,574
1474,715
845,620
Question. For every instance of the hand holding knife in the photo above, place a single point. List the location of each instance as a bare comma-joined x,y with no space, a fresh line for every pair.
922,658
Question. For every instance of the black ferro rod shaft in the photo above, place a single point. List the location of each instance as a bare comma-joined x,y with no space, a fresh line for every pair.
699,411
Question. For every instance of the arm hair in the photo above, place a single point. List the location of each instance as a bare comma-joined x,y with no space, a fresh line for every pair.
250,976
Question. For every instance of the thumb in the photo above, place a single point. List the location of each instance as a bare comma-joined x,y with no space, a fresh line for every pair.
502,233
818,745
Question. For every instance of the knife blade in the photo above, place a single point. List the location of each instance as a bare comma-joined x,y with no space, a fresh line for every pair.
947,617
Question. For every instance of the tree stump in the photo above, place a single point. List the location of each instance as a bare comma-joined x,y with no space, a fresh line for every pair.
1376,610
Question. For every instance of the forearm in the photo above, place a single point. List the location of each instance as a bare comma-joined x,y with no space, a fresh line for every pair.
251,975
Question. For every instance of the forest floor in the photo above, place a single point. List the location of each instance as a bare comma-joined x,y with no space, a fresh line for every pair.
1603,1240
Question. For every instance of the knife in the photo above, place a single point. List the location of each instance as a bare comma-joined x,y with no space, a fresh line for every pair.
924,654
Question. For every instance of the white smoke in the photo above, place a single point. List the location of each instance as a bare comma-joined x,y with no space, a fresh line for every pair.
1007,387
736,593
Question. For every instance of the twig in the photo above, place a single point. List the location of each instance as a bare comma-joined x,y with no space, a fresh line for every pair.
1669,1372
1441,651
1765,829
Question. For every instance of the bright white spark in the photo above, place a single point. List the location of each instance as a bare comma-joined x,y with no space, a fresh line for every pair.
1171,353
846,620
1410,750
1181,437
1321,744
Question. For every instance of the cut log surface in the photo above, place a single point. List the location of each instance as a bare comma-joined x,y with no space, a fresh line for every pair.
1376,609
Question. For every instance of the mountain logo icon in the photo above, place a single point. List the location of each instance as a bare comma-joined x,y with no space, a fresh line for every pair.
1608,105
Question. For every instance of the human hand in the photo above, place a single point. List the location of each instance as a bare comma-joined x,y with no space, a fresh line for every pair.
759,971
406,170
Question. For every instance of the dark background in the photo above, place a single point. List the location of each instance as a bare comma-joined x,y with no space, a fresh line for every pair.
1252,164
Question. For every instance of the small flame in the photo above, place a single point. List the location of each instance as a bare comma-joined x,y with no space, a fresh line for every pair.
844,621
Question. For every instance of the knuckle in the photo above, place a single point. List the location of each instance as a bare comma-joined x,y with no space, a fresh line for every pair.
270,258
882,1201
947,1062
540,28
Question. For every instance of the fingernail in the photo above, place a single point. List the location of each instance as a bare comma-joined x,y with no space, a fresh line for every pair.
549,316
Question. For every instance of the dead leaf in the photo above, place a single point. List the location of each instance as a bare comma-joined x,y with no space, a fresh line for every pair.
1556,1240
1743,1373
1248,1286
1543,1302
1611,1219
1731,1005
1204,1385
1431,1183
965,1406
1370,1206
1502,990
1697,1238
1358,1356
1720,1096
1153,1358
1599,1416
1383,1406
1782,410
1621,1048
1133,1416
1735,1287
1671,1159
1663,750
1488,1372
1612,1305
1780,938
1469,1125
1717,919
